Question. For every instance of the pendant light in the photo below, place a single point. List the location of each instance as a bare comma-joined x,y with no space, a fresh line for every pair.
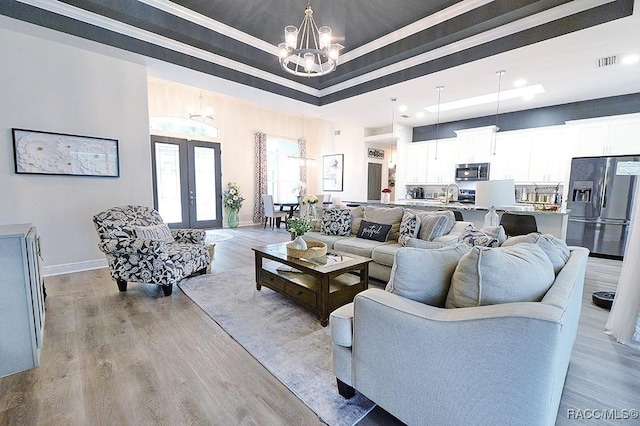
439,89
497,128
391,163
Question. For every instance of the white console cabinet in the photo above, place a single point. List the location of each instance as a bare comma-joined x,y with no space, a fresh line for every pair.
21,299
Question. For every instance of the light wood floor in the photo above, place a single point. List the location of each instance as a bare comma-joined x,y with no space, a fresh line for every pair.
138,358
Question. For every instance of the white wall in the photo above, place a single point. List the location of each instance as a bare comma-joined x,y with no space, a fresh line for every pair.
51,87
56,87
238,121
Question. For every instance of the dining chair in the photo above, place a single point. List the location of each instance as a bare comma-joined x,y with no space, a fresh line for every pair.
270,212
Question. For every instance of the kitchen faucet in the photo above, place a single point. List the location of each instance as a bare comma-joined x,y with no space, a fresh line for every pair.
455,194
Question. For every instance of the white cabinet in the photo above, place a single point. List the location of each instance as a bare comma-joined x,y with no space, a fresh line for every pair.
623,138
607,136
551,153
441,162
512,157
417,154
474,145
592,140
21,299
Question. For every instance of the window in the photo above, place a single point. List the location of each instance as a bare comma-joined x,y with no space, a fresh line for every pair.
182,125
283,173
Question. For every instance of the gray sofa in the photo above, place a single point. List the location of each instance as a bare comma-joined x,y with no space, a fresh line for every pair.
497,364
382,253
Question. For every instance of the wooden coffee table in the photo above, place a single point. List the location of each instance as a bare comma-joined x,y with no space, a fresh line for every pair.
321,285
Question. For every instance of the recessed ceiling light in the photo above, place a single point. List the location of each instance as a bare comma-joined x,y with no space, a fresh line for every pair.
402,108
419,114
630,59
521,82
527,97
488,99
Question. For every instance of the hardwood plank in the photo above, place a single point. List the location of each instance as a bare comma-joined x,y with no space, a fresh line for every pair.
140,358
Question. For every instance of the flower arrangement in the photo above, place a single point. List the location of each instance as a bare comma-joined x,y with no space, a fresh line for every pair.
299,225
309,199
231,196
386,191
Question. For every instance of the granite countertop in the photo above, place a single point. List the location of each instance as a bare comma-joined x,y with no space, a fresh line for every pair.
521,208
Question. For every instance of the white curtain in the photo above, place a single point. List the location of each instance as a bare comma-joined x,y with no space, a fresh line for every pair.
623,322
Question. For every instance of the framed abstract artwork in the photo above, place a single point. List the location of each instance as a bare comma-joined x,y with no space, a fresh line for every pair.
60,154
332,172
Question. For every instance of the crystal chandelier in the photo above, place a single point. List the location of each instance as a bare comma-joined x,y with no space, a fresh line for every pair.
305,59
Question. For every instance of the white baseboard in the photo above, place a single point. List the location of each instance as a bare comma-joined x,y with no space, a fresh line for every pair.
68,268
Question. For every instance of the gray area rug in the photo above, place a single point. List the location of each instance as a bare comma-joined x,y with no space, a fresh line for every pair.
284,337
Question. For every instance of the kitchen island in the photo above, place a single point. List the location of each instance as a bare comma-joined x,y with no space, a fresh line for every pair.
548,222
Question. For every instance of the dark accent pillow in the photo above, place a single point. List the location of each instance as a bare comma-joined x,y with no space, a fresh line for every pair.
336,222
373,231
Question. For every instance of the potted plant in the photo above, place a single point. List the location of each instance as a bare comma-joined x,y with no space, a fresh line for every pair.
297,227
232,203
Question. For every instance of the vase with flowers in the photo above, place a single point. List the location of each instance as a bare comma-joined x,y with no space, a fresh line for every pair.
297,227
310,202
232,200
386,196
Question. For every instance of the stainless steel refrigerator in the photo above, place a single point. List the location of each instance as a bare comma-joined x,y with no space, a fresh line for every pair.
600,197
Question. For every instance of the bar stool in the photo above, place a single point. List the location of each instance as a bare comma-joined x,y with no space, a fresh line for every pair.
518,224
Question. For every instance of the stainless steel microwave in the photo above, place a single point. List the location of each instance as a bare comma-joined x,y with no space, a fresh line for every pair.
472,171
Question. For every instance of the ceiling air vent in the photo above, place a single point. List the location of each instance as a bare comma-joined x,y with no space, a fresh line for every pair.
607,61
404,116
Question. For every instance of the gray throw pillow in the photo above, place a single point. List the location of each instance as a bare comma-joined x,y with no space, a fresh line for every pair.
357,214
489,276
418,243
432,226
336,222
159,232
423,215
424,275
555,248
387,215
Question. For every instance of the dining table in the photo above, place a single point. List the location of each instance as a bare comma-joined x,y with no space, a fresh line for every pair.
292,206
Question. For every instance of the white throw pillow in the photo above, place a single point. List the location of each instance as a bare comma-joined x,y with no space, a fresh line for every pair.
159,232
555,248
487,237
424,275
489,276
409,227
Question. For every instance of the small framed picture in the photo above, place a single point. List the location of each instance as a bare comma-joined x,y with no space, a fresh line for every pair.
332,172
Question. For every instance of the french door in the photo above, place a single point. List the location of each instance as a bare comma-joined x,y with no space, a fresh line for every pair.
187,182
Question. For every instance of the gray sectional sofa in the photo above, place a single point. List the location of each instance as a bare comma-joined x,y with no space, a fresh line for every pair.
383,253
464,336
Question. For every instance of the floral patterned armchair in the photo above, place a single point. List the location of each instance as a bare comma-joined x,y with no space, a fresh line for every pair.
157,258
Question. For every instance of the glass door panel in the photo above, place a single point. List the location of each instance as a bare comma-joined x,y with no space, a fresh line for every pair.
167,165
187,182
